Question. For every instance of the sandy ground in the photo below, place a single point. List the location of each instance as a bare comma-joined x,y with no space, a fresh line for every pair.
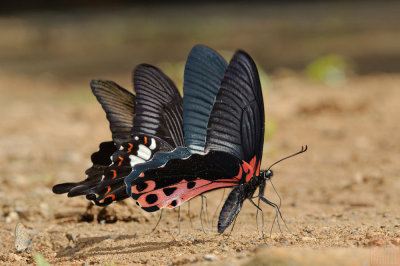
340,199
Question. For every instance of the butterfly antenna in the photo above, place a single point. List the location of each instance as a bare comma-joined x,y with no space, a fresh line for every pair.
215,212
303,149
158,222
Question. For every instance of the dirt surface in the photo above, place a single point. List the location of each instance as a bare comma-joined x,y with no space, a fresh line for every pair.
339,199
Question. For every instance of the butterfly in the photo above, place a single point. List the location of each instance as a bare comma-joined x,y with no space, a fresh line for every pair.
148,124
22,240
228,155
141,125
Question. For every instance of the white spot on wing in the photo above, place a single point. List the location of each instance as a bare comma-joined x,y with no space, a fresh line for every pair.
136,138
144,152
153,144
135,160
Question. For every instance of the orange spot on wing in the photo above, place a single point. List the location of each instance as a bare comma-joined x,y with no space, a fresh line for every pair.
112,196
114,173
145,140
121,160
130,147
108,190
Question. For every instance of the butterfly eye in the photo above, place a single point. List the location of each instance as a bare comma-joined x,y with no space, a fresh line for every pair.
268,174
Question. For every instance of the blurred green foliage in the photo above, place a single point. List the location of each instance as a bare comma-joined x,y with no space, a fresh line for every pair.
330,69
40,260
270,128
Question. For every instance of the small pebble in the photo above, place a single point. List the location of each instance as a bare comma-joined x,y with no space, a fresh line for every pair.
209,257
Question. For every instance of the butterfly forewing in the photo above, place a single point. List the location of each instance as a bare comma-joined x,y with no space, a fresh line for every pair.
119,105
236,123
204,71
237,126
158,106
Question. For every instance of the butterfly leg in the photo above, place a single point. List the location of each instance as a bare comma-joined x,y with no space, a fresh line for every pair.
179,220
159,220
190,217
201,214
278,214
215,213
207,218
262,216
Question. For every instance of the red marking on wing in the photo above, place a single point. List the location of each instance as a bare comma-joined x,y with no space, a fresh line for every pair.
145,140
239,175
150,187
130,147
182,193
258,168
108,190
249,169
121,160
114,173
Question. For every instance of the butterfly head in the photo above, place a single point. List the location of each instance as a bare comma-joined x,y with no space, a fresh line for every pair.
267,174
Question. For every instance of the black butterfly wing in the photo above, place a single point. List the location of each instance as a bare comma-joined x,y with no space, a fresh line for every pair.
236,126
100,159
203,74
224,165
158,106
119,105
112,187
158,127
180,180
204,71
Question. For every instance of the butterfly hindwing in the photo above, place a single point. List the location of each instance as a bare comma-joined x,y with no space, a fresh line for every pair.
180,180
204,71
101,160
